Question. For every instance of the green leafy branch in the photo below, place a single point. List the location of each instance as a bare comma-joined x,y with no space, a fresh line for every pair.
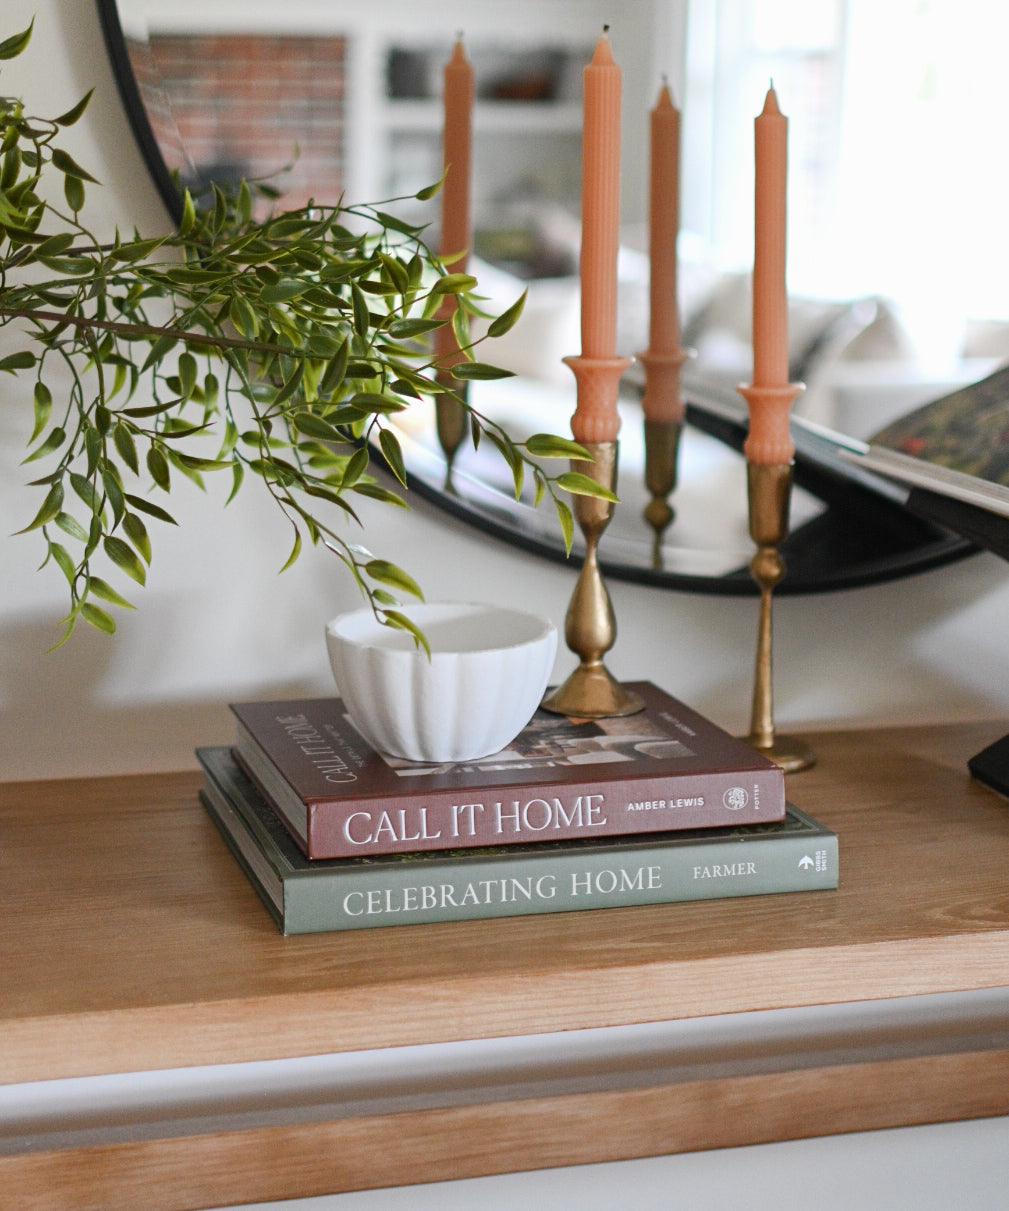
276,349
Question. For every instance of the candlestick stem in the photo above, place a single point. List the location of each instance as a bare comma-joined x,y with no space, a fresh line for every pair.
450,423
662,447
591,692
769,488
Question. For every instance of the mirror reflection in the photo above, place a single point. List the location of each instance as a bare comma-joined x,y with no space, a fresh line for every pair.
323,99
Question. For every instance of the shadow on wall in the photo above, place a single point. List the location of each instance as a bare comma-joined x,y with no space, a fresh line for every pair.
59,716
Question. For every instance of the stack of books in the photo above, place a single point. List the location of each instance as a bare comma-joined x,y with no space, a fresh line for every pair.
575,814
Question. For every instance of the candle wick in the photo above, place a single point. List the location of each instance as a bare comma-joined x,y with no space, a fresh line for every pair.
606,29
665,80
458,35
772,84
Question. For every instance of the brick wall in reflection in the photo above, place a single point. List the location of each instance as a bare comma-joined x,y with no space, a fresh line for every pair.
248,105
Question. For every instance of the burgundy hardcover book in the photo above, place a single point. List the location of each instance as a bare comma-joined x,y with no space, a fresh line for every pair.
665,768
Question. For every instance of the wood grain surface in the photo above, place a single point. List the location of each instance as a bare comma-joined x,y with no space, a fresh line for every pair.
133,941
507,1136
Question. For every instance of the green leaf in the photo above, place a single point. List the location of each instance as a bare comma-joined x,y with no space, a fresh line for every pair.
123,440
401,623
406,329
377,492
244,318
126,558
64,639
85,489
158,467
53,442
431,191
152,510
135,251
540,490
566,518
546,445
188,221
43,407
17,361
282,291
159,351
55,244
136,531
202,464
98,618
355,468
102,588
73,190
314,426
393,453
244,203
72,115
92,446
336,369
68,165
507,320
237,475
454,283
64,561
368,401
52,505
583,485
395,578
291,385
11,47
295,551
70,525
110,481
393,224
478,370
362,319
187,374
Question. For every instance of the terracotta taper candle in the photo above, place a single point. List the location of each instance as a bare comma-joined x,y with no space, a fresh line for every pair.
456,237
663,401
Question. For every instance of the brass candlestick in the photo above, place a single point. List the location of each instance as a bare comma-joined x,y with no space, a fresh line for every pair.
769,488
451,422
662,398
662,450
590,628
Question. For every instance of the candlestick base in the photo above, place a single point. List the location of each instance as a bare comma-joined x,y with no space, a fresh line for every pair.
451,422
789,753
592,692
662,446
590,627
769,489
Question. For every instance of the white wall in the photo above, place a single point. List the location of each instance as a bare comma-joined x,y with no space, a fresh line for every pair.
216,624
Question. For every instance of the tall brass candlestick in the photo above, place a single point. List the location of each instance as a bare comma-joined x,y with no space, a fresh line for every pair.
592,692
769,489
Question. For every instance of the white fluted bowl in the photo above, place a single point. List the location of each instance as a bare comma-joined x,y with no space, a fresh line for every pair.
488,669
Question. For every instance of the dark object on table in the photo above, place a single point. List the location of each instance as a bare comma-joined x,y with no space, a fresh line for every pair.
991,531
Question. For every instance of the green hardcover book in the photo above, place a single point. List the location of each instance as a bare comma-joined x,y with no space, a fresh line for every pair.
304,896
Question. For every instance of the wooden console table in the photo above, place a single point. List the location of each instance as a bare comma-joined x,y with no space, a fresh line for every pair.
132,941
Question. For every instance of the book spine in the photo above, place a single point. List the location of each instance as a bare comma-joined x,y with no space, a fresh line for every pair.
519,815
373,897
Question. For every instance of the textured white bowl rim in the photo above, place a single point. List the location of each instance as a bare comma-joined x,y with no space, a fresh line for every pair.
546,628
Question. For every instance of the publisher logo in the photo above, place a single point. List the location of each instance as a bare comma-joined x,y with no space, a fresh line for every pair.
736,798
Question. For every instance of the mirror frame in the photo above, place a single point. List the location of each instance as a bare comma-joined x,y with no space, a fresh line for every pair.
854,513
